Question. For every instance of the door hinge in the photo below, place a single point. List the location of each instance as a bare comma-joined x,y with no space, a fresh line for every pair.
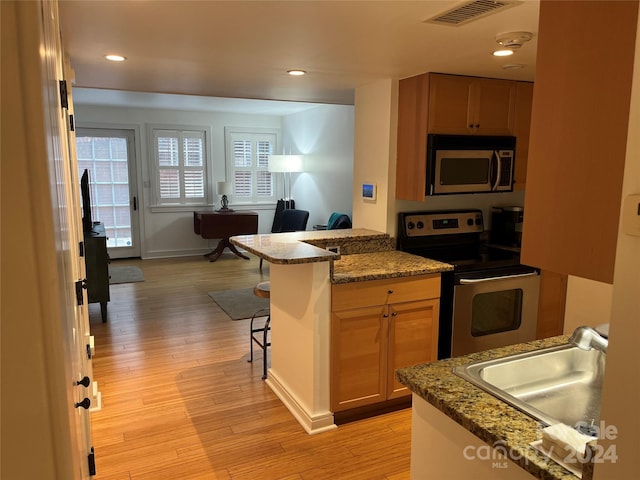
81,248
80,285
91,458
64,100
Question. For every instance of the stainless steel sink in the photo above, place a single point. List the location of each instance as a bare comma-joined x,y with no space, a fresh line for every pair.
560,384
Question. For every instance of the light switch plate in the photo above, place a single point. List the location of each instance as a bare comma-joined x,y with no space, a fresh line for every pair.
631,215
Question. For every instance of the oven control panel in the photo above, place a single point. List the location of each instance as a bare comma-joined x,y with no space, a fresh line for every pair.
422,224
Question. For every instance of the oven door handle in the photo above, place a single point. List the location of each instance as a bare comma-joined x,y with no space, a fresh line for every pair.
469,281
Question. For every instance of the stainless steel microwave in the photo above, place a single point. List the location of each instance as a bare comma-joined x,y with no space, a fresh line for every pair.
469,164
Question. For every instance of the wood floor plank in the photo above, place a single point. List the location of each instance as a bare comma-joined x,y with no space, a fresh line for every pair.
181,402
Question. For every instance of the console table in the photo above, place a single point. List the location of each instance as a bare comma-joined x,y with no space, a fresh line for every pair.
96,260
221,224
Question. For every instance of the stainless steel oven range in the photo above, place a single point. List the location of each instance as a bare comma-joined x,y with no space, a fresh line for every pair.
489,300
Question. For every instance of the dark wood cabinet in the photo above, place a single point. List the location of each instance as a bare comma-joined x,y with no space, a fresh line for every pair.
96,261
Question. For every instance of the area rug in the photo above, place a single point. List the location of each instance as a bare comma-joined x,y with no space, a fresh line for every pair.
240,303
124,274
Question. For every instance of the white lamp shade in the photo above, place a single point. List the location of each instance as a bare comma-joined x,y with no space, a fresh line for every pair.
285,163
225,188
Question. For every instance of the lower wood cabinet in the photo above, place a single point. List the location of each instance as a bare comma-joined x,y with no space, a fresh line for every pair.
377,327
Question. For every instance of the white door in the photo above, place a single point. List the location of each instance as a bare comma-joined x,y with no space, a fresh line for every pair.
109,155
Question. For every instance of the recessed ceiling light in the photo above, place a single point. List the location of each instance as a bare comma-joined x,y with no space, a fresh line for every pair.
505,52
115,58
296,73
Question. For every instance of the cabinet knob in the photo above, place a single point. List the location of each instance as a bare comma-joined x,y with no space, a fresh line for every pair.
477,125
390,292
85,382
86,403
385,315
394,314
471,125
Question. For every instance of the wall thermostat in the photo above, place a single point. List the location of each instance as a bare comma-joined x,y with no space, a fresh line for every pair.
369,191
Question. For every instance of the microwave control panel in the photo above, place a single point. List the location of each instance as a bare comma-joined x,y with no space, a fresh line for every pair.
422,224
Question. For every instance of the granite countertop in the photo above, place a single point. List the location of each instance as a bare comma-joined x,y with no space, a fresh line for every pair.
365,254
384,264
487,417
295,247
484,415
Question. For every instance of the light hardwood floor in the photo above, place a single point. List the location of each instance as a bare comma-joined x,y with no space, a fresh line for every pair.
181,402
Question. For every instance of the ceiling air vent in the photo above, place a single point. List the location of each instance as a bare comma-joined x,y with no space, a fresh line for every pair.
470,11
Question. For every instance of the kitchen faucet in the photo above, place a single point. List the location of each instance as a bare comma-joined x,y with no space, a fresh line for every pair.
587,338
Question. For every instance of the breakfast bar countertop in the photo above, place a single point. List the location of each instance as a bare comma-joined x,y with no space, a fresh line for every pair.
300,247
488,418
363,254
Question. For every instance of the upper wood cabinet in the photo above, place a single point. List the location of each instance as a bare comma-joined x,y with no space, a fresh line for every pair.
579,129
448,104
471,105
521,127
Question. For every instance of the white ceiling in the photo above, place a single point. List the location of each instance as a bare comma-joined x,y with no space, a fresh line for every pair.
242,49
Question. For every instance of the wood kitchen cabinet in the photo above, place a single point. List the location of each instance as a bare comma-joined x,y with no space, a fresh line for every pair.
578,144
551,304
452,104
471,105
521,127
377,327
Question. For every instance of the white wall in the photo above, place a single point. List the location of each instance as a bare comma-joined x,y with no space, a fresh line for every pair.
375,114
588,303
324,135
621,392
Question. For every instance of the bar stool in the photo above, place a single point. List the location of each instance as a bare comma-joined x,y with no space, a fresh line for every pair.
263,289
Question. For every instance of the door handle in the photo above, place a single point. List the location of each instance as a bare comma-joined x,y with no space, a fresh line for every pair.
135,203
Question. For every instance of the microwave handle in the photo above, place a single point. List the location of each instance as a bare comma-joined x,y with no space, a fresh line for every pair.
496,154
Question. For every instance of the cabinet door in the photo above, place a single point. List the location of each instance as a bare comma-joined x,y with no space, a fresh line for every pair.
449,100
413,339
551,305
358,357
493,106
521,127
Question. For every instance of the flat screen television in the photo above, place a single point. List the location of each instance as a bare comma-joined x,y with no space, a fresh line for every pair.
87,221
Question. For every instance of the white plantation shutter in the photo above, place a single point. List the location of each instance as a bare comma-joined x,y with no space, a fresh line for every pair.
181,166
249,154
242,184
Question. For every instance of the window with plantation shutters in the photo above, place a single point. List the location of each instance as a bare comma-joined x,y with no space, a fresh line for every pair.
247,165
181,166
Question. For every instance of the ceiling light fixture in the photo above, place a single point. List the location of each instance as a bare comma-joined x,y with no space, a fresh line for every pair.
505,52
115,58
510,42
296,73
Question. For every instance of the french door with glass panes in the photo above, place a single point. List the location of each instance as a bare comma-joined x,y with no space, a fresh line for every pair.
109,155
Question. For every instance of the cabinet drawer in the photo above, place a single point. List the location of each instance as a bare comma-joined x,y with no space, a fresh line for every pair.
381,292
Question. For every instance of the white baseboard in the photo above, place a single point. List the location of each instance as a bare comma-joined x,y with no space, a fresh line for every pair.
311,423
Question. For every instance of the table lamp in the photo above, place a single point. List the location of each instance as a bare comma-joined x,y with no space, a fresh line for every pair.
224,189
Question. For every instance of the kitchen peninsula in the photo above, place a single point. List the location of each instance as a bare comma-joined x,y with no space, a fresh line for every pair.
304,268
